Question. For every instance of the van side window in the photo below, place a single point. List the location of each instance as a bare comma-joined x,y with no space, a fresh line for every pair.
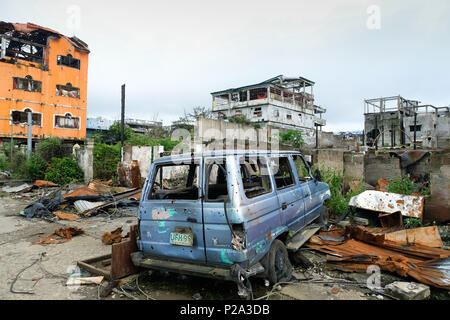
216,188
282,172
255,178
302,170
175,182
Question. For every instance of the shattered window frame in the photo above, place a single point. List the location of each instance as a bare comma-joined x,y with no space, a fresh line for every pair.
69,88
21,117
65,120
305,169
191,180
284,178
68,61
27,84
219,174
262,172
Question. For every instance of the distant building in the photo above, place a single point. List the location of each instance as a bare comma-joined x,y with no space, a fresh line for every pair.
392,121
137,125
45,73
282,102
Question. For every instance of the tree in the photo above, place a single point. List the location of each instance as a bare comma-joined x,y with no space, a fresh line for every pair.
292,138
188,120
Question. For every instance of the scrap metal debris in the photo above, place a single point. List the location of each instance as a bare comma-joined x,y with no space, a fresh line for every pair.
129,174
66,216
60,236
44,184
113,237
363,247
386,202
22,188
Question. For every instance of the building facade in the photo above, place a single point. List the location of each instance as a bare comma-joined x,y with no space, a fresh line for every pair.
280,102
396,121
45,73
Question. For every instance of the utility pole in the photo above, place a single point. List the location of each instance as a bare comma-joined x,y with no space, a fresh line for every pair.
122,124
415,128
29,140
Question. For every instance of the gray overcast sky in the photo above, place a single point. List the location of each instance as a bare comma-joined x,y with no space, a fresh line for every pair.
172,54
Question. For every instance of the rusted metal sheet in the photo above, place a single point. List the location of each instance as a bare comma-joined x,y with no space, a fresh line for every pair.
426,264
129,174
82,191
44,184
121,264
427,236
60,236
386,202
389,220
118,264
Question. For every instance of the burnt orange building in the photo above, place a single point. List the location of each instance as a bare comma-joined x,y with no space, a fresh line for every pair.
45,73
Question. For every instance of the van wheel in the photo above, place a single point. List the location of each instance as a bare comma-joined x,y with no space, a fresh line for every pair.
279,266
324,217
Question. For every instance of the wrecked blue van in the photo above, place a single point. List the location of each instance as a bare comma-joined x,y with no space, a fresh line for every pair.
228,214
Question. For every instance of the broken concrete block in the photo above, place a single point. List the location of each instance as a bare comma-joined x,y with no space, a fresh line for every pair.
361,221
408,290
344,223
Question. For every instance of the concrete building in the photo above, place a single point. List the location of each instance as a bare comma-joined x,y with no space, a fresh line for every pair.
280,102
396,121
137,125
45,73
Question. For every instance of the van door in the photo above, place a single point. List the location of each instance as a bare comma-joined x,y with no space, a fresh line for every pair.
171,221
308,187
216,196
289,193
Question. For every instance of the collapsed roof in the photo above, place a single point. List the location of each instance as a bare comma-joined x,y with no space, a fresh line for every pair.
37,35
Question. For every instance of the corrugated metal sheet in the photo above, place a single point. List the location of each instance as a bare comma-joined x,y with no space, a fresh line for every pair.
83,205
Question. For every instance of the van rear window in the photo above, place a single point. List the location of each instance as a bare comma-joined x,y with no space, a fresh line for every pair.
175,182
255,177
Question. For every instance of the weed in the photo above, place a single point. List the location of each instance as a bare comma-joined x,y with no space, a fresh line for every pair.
63,171
401,185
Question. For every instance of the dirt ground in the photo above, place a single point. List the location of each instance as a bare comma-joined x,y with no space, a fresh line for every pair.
41,270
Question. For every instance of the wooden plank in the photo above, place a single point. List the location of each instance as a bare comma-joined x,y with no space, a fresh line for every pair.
94,270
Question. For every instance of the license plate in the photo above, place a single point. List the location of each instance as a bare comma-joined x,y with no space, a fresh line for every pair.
181,239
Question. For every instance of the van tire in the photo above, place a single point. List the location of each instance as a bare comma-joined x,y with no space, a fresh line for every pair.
324,216
279,266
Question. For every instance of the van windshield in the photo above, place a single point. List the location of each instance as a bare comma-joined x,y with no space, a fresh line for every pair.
175,182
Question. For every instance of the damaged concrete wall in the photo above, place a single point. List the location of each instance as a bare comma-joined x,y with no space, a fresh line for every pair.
353,167
85,158
346,141
143,154
438,204
380,165
326,158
